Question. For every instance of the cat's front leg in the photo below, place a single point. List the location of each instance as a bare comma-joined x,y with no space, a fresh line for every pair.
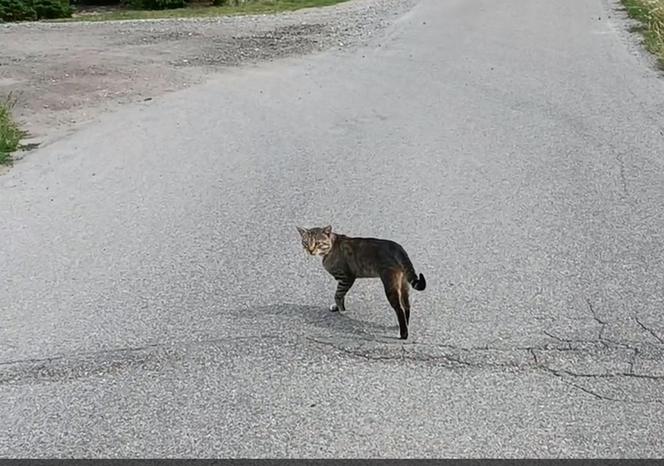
343,285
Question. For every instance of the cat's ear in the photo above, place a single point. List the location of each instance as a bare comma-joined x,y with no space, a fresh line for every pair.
303,231
327,230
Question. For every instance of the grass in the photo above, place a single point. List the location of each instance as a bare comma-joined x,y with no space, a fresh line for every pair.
10,134
247,7
651,15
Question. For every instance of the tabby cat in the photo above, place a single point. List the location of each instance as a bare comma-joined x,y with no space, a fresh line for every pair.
348,259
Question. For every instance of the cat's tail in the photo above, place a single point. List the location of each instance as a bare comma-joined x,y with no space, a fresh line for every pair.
419,283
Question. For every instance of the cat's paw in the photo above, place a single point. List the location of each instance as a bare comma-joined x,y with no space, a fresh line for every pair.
334,308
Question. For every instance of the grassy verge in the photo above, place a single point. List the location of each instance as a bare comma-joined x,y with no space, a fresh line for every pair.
247,7
10,134
651,15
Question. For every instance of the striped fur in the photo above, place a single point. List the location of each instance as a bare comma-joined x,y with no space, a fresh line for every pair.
348,259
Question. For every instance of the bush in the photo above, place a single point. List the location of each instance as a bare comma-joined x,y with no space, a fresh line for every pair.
50,9
16,10
10,134
156,4
30,10
651,14
228,2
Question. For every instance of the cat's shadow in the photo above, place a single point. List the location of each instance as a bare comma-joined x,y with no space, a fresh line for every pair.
352,322
347,323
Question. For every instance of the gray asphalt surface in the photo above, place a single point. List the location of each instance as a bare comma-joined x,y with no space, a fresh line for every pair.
156,300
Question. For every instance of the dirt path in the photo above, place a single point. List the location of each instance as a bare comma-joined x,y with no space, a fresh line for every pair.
66,74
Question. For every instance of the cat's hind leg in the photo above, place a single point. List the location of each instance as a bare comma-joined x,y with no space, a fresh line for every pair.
405,300
392,280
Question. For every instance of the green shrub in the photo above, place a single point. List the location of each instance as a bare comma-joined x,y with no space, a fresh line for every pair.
651,14
156,4
228,2
10,134
30,10
16,10
50,9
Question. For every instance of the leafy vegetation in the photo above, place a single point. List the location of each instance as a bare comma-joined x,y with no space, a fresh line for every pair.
651,15
10,134
30,10
156,4
152,9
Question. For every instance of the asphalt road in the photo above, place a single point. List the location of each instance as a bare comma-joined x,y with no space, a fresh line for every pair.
156,301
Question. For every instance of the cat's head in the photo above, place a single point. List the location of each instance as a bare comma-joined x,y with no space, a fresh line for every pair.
316,241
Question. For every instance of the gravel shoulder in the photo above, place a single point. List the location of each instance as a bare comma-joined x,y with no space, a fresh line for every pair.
67,74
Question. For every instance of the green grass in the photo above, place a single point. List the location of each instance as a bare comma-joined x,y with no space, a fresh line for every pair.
10,134
248,7
651,15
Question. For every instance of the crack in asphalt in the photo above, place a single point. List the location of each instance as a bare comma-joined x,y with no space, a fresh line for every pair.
130,349
561,357
78,365
649,330
610,376
602,324
623,178
541,357
561,376
601,341
594,313
633,360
